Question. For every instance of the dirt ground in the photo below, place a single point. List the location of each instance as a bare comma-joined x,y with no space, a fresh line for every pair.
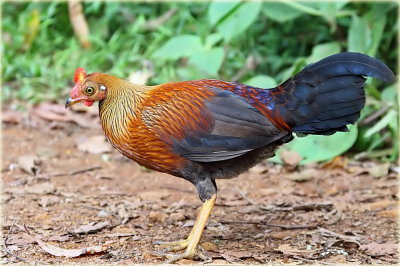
70,190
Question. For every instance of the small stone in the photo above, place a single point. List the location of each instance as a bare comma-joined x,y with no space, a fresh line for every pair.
157,217
209,246
102,214
177,217
186,261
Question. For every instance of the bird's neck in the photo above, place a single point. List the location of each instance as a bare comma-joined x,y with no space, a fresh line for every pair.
120,106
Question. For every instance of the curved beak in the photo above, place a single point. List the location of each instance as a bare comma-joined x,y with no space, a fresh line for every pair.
71,101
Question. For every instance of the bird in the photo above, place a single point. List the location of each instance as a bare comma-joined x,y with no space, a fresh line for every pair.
208,129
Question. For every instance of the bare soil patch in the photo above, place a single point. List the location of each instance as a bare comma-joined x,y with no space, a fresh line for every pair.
72,193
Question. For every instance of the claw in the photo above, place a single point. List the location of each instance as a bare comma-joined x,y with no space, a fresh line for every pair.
174,245
191,243
172,258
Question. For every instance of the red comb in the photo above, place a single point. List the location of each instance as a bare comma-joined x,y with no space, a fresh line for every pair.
80,74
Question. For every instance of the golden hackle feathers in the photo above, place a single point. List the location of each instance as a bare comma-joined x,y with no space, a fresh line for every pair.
142,122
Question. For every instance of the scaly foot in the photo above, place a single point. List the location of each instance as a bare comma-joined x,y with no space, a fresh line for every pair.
194,237
174,245
188,254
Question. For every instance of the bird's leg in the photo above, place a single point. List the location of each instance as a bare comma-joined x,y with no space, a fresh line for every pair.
194,237
179,244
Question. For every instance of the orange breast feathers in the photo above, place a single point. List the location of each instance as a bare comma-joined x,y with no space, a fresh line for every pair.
167,113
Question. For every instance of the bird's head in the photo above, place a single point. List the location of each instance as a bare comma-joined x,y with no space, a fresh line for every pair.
88,89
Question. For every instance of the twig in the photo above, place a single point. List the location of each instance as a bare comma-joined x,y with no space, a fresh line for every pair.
78,21
77,171
85,170
250,65
311,261
155,23
112,214
344,237
282,226
300,207
244,196
5,243
373,154
375,115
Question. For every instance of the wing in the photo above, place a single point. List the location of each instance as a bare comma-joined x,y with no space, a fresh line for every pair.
203,123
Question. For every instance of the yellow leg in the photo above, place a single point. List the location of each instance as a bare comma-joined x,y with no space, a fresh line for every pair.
194,237
179,244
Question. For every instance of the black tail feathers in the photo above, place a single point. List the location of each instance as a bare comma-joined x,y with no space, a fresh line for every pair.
328,95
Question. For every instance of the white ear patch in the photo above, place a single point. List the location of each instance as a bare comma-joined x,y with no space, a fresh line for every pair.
102,88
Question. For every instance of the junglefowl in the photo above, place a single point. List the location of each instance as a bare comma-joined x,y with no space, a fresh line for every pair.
207,129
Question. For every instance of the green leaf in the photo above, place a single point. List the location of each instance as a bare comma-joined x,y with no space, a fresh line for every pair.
209,61
189,73
315,148
389,94
212,39
218,9
280,12
359,36
323,50
261,81
239,20
389,119
179,46
376,20
329,9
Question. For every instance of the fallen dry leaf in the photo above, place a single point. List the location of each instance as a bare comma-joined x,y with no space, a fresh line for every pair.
154,195
46,152
379,170
123,214
11,116
380,204
29,163
375,249
59,238
392,214
13,248
20,239
157,217
209,246
94,144
91,227
289,250
238,253
69,253
303,175
57,112
41,188
46,201
283,234
290,158
326,232
339,162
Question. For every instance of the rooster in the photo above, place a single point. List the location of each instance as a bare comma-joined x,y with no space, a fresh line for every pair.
207,129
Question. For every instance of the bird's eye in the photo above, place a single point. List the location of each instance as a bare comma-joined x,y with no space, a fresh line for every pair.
89,90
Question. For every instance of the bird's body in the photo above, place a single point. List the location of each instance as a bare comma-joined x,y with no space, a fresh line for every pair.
154,125
203,130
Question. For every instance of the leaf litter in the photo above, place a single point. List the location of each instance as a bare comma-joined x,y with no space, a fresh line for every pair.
69,253
269,212
91,227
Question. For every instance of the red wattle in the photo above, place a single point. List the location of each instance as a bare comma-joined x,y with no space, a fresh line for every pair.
88,102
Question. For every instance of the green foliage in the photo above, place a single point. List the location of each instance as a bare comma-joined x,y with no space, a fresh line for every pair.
207,40
320,148
178,47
